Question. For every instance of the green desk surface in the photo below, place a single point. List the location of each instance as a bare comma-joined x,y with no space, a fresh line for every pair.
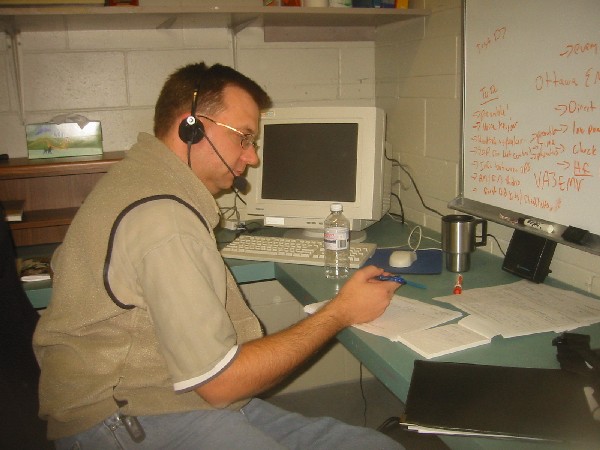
392,362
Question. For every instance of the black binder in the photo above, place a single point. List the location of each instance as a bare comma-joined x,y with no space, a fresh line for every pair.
494,401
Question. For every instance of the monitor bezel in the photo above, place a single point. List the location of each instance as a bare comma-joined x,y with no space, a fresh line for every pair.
372,179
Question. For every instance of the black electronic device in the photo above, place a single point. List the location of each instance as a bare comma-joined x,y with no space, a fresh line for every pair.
191,130
529,256
575,235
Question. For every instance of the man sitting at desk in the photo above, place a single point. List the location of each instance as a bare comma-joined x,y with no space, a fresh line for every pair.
147,338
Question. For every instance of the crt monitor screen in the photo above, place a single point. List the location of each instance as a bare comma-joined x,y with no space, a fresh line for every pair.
311,157
298,167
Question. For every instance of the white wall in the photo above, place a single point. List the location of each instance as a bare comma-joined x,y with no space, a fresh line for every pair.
115,75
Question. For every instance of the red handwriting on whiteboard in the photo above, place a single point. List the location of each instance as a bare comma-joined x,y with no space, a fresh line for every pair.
575,107
552,130
553,80
500,110
497,35
590,130
592,77
581,149
577,49
580,169
488,94
548,179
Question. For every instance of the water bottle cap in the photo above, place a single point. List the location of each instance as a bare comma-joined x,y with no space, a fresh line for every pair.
335,207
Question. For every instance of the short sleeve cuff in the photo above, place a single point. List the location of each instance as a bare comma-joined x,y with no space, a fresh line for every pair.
187,385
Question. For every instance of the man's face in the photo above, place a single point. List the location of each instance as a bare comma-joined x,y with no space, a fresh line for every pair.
232,132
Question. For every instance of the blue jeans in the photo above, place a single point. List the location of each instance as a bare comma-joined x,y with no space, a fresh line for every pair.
257,426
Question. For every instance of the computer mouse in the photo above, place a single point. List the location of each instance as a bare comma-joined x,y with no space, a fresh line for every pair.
402,258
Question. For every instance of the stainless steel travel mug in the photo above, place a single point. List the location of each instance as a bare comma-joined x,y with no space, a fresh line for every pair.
459,239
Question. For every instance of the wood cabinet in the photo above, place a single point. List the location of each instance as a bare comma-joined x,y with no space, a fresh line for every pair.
53,190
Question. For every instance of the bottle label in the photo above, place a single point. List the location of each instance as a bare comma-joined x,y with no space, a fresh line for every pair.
336,238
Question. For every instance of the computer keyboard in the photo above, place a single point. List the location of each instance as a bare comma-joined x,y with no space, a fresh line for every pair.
294,251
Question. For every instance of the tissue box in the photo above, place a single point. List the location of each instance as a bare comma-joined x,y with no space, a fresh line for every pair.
51,140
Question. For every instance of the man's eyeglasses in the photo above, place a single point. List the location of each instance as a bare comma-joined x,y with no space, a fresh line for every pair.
248,139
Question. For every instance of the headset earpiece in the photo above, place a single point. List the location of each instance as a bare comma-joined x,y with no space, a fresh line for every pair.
191,130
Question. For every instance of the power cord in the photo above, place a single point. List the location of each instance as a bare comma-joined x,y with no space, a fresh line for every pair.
399,164
362,393
388,423
497,243
418,192
401,209
410,241
419,239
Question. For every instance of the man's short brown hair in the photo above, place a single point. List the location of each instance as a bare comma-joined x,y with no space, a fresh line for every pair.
177,93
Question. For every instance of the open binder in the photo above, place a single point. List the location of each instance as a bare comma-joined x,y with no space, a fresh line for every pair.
494,401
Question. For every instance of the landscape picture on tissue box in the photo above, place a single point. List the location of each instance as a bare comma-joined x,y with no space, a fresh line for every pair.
51,140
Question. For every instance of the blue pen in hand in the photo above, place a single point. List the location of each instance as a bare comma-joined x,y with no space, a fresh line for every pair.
399,279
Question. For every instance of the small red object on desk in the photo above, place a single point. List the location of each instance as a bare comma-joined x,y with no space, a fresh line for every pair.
458,285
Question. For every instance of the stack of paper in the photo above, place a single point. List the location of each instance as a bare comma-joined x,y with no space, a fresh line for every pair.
35,269
510,310
523,308
416,325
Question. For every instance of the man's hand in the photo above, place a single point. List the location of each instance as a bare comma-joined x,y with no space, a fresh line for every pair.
362,298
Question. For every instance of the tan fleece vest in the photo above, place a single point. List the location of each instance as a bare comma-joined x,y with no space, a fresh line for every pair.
89,348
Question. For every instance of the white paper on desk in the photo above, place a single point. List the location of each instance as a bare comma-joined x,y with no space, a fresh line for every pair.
433,430
38,277
403,315
524,308
509,313
479,326
580,308
442,340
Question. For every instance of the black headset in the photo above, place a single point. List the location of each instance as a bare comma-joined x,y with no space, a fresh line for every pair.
191,130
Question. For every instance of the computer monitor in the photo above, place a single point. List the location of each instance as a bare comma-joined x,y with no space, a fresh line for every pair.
311,157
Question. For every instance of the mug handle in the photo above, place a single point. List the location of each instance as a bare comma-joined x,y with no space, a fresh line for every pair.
483,241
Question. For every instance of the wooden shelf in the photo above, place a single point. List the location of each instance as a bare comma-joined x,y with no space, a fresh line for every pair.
53,190
51,167
41,218
208,14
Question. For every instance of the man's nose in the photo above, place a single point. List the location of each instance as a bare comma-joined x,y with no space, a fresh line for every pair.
249,156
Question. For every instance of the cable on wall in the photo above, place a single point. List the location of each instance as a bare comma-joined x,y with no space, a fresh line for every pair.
17,56
403,167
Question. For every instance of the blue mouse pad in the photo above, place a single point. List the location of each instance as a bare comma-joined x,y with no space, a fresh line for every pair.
429,262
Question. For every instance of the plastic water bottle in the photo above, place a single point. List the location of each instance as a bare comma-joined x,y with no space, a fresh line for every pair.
336,241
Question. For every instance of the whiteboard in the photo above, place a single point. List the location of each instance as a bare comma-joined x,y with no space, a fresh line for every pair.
531,111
